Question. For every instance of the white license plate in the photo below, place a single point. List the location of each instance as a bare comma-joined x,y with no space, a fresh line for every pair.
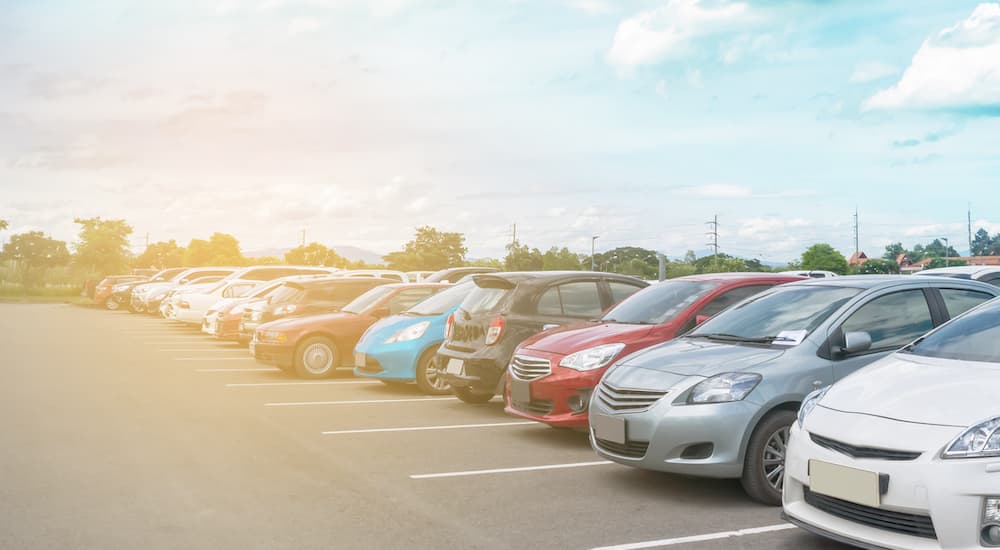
253,346
520,391
455,366
608,428
850,484
359,359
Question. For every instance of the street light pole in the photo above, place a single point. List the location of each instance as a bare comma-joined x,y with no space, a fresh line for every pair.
593,241
947,247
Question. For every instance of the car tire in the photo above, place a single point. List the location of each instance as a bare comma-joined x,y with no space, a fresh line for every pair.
316,357
133,309
471,396
111,304
428,375
764,467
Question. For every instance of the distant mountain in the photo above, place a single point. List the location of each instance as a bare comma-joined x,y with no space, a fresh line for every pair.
352,253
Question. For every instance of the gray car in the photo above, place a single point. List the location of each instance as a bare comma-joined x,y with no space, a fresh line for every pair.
719,401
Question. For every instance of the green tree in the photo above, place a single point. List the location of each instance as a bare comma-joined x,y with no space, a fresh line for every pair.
723,263
32,254
103,248
219,249
560,259
823,257
264,260
3,225
876,266
522,258
985,245
941,262
429,250
161,255
893,251
937,249
486,262
314,254
631,260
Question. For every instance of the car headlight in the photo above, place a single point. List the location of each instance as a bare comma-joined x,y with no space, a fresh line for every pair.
592,358
158,296
411,332
286,309
256,315
118,288
272,336
724,388
979,441
809,403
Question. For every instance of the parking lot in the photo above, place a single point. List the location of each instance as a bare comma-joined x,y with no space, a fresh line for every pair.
127,431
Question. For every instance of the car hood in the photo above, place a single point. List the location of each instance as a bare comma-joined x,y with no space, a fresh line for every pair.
384,328
155,287
326,320
700,357
574,338
923,390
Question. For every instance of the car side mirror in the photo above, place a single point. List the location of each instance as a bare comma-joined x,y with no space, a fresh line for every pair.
856,342
381,312
699,319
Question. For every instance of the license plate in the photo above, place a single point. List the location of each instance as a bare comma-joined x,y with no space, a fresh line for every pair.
520,391
850,484
608,428
359,359
455,366
253,346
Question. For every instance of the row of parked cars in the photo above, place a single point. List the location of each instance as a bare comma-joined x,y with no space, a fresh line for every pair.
869,406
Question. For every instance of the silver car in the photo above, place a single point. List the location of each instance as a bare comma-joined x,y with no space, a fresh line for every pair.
719,401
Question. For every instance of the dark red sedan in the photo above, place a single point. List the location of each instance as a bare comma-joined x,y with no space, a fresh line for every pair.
552,374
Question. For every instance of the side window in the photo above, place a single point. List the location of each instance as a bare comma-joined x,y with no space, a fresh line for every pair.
993,280
620,291
581,299
549,303
893,320
407,299
731,297
960,301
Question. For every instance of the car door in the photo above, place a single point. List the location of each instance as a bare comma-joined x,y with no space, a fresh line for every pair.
892,319
568,303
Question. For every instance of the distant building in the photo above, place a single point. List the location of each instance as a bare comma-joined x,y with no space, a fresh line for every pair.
977,260
906,265
858,259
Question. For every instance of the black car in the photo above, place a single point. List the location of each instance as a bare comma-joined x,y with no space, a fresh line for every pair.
121,294
507,308
306,296
454,274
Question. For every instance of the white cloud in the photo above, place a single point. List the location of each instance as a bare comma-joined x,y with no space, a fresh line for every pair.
418,204
556,211
661,89
667,31
957,68
303,25
591,7
873,70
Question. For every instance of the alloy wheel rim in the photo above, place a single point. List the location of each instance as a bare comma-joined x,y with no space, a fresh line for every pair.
774,458
433,375
317,358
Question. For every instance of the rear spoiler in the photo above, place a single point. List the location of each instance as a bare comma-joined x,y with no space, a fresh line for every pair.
486,280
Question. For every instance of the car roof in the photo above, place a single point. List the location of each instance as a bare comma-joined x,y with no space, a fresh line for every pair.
970,270
417,285
875,281
737,276
522,276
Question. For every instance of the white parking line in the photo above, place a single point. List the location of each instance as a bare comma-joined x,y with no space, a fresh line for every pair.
201,350
700,538
511,470
247,358
422,428
359,402
303,383
261,369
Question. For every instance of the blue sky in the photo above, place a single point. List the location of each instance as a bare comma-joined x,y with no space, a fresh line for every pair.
633,120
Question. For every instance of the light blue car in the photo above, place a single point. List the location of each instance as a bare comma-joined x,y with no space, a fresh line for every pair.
402,348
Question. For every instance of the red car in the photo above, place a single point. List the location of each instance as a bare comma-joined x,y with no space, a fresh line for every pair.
103,290
552,374
315,346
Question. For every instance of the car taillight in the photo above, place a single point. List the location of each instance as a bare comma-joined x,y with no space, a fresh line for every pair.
495,331
449,326
185,305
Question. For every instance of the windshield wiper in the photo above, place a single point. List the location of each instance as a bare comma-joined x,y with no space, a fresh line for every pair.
908,348
723,337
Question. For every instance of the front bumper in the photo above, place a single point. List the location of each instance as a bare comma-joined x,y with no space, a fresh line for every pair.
552,394
659,437
272,353
950,492
187,315
397,361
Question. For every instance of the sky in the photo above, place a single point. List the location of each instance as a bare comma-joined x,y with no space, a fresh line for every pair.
634,120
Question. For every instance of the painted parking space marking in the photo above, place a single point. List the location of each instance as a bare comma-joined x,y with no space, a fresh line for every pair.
511,470
359,402
257,369
245,358
201,350
425,428
700,538
302,383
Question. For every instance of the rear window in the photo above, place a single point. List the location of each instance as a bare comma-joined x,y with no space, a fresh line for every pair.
482,300
973,337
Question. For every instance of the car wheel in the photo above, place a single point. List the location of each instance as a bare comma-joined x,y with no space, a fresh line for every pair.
471,396
316,357
135,309
764,468
428,375
111,304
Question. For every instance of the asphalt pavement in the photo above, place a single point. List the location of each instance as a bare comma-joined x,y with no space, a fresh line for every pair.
128,431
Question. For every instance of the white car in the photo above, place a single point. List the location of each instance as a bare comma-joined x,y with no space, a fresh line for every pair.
190,306
905,454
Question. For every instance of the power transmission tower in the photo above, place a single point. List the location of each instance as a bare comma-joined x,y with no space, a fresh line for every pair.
857,240
714,235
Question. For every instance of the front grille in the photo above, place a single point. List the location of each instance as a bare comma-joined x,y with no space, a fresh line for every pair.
535,406
622,399
632,449
528,368
863,452
915,525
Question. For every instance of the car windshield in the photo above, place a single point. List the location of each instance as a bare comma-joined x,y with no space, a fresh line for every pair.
783,316
285,293
974,336
367,299
438,304
658,303
483,299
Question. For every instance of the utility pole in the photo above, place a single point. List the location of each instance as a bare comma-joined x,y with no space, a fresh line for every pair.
970,230
303,241
593,241
513,236
857,236
947,248
714,235
147,239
